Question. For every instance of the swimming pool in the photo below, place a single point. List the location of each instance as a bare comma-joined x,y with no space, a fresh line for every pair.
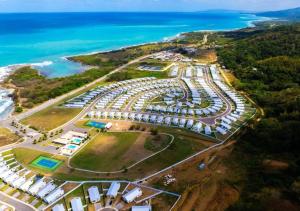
72,147
99,125
46,163
76,141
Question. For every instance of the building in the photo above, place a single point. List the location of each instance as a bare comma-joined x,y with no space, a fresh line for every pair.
37,186
141,208
94,194
47,189
113,190
25,187
76,204
54,195
132,195
58,207
207,130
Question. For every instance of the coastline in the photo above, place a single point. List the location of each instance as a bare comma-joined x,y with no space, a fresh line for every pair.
5,71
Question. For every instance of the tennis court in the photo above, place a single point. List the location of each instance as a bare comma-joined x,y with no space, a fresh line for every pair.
46,163
98,125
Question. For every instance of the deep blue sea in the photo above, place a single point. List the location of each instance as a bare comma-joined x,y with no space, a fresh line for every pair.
45,38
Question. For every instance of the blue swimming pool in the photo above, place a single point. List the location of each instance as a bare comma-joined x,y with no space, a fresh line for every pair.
72,147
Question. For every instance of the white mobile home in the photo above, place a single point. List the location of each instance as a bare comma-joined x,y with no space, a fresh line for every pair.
25,187
141,208
132,195
11,178
54,195
197,127
113,190
94,194
207,130
17,183
221,130
47,189
190,123
58,207
182,123
37,186
76,204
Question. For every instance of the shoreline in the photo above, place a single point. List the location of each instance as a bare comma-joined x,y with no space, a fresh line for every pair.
5,71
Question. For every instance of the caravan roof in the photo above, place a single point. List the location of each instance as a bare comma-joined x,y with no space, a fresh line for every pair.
141,208
94,194
76,204
47,189
34,189
58,207
51,197
132,195
113,189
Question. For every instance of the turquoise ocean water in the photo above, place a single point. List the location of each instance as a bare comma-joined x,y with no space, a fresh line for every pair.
46,38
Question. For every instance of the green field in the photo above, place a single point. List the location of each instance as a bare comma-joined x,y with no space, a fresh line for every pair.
51,118
25,156
105,152
46,163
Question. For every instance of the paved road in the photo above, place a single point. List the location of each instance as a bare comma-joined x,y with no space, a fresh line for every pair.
19,206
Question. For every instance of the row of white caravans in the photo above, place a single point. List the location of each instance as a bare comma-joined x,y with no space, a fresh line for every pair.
17,177
95,196
154,119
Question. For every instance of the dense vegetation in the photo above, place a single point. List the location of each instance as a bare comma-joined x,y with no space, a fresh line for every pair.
267,64
34,88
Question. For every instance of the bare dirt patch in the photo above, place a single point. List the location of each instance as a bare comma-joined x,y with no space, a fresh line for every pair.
275,165
103,145
7,137
137,151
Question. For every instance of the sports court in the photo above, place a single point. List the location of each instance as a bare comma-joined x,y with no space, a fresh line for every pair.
98,125
46,163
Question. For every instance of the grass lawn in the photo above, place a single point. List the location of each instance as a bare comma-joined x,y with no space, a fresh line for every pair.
7,137
51,118
181,148
25,156
105,152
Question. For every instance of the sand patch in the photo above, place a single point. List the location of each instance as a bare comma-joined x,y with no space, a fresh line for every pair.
105,144
137,150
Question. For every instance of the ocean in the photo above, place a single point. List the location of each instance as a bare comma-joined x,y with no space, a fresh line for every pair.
45,39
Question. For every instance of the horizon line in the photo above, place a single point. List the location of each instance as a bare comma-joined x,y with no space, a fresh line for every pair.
133,11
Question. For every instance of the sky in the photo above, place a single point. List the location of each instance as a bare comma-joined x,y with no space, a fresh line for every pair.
143,5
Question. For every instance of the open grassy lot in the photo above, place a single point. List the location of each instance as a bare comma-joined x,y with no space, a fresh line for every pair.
7,137
51,118
133,71
112,151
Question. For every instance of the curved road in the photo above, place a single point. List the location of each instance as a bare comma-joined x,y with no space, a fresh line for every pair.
17,204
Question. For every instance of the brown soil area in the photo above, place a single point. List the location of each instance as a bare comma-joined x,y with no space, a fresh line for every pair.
137,151
207,56
201,189
104,145
275,165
